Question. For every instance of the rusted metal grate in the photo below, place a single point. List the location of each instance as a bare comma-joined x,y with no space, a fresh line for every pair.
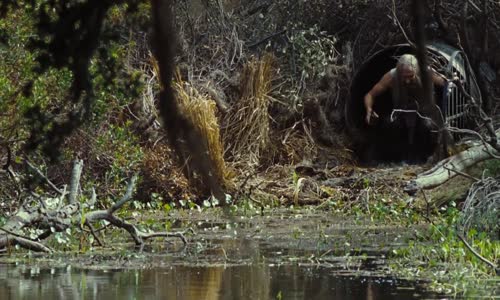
450,62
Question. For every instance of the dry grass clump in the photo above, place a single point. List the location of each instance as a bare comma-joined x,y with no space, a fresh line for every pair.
295,146
246,134
201,111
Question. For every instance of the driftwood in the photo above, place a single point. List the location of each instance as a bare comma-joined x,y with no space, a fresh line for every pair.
451,167
66,213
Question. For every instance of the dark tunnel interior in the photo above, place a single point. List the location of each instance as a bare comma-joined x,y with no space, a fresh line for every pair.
384,141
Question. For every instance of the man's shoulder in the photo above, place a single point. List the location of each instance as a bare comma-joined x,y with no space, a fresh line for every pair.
389,77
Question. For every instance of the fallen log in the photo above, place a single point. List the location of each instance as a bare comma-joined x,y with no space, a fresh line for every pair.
452,166
59,216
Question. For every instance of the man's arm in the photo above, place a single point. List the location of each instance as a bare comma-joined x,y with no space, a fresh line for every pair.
437,78
377,89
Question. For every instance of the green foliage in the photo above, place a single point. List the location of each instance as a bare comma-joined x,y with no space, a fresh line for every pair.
114,156
295,178
492,168
279,296
115,81
21,89
314,49
452,267
62,60
40,97
435,253
379,207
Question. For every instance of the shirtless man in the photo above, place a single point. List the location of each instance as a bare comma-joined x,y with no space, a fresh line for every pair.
405,81
407,94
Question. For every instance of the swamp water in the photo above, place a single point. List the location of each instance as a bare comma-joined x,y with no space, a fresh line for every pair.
285,256
200,282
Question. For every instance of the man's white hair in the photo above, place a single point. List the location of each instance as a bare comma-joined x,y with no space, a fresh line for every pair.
407,61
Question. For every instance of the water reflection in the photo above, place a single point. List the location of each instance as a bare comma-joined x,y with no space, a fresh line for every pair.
255,281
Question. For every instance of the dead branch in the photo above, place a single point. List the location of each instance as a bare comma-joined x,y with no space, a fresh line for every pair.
179,234
75,180
94,233
394,111
438,15
42,176
14,234
126,197
139,236
265,39
35,217
462,174
57,219
403,31
442,172
479,256
10,241
476,134
487,121
480,208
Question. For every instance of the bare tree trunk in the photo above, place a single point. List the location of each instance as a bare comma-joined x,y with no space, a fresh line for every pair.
177,126
430,108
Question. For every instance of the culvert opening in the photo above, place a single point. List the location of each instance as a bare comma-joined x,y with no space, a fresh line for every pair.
387,139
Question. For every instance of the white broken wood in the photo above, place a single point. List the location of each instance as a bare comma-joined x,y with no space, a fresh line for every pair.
452,166
75,180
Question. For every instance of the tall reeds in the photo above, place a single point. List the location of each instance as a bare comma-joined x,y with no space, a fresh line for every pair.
201,111
246,133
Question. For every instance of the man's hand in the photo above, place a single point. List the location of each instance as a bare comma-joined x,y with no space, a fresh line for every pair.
369,114
381,86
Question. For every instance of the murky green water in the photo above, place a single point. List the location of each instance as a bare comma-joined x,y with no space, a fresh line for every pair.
283,256
261,281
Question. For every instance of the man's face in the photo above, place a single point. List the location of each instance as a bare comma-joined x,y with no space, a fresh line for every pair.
408,76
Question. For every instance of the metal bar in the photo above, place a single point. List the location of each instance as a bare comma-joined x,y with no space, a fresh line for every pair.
448,105
454,106
461,123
